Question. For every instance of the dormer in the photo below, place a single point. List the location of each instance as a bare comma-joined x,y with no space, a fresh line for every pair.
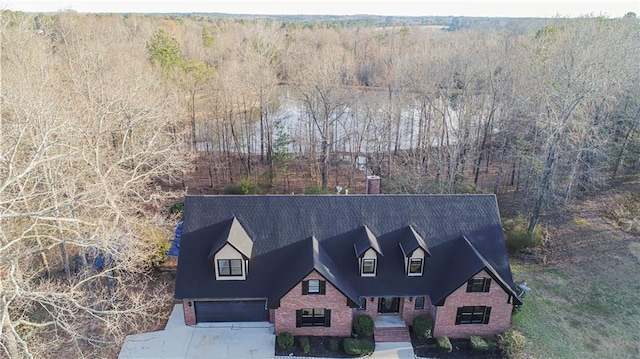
231,252
414,250
367,251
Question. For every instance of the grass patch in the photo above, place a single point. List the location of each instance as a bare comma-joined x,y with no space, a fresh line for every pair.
558,274
584,313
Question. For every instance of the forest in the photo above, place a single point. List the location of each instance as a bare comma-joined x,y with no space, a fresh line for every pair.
105,119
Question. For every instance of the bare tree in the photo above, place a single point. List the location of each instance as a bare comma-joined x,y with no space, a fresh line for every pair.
86,136
320,85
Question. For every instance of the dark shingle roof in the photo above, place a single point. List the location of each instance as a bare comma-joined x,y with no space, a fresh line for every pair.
235,235
293,235
411,240
363,239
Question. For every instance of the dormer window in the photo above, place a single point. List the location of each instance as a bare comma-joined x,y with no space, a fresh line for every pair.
369,266
414,250
367,250
415,266
231,252
230,267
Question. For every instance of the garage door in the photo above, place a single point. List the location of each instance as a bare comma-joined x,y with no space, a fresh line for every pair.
233,311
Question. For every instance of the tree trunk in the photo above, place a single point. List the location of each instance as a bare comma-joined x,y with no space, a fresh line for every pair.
483,148
324,159
622,149
9,342
193,120
544,182
496,184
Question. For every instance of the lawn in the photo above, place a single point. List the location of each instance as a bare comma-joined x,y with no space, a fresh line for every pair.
584,301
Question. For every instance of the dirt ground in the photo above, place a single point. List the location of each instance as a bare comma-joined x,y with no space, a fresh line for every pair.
571,238
213,172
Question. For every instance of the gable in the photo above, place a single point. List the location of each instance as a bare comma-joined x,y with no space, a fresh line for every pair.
459,261
410,240
292,297
364,241
235,235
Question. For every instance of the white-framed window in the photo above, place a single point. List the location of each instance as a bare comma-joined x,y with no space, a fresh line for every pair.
314,286
230,267
368,266
415,266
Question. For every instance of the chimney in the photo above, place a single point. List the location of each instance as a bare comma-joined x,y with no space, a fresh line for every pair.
373,185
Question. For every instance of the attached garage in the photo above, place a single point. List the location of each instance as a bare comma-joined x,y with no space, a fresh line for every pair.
232,311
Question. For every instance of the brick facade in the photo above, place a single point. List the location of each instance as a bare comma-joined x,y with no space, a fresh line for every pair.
496,298
371,310
189,308
407,311
341,313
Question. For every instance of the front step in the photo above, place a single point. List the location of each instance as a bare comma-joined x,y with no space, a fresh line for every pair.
391,334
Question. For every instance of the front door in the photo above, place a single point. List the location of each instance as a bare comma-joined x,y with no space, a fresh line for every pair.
388,305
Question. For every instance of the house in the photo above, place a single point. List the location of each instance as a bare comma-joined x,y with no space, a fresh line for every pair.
310,263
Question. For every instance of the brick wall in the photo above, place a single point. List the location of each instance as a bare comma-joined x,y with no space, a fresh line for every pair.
372,308
496,298
408,312
341,313
189,309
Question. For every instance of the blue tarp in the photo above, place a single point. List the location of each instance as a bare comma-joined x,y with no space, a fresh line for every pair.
96,259
175,245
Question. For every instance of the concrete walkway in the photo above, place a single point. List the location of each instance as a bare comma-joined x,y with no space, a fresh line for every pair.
389,321
393,350
223,341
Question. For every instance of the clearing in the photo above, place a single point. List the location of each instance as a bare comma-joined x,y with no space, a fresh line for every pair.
585,284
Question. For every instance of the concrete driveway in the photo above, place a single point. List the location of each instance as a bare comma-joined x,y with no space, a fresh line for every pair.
219,341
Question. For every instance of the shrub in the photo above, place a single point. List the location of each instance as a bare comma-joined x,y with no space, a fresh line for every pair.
444,344
244,186
481,345
364,326
304,344
334,344
284,340
517,236
422,326
158,241
177,208
511,343
358,346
